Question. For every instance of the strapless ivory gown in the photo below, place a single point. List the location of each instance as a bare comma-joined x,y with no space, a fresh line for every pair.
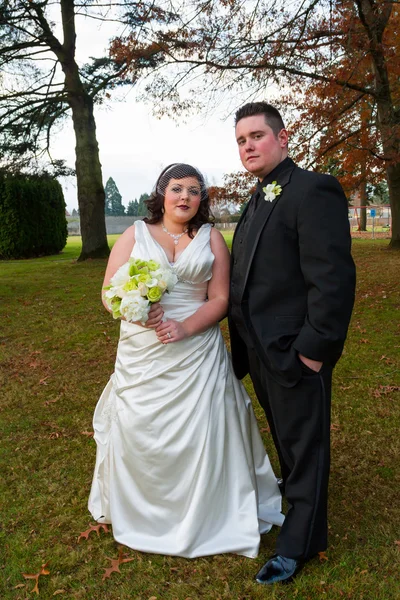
181,468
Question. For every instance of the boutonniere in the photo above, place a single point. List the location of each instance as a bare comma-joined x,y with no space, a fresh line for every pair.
272,191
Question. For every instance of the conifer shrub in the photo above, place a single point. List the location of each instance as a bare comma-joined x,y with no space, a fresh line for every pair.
32,216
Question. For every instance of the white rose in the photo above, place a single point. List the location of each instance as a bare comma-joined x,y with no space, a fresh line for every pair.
153,282
142,288
134,307
121,276
269,192
168,279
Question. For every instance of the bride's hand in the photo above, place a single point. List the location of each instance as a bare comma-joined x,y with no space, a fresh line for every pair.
156,314
170,331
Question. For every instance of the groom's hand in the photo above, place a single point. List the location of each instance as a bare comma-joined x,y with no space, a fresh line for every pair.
314,365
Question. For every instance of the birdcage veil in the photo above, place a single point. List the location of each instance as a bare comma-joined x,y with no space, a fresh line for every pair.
180,171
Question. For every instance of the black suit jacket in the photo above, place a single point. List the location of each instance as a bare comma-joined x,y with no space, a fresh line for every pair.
297,288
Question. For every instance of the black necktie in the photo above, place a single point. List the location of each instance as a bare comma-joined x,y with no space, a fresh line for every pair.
253,204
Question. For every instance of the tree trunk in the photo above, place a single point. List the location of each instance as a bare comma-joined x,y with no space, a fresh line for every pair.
363,199
89,179
374,19
393,178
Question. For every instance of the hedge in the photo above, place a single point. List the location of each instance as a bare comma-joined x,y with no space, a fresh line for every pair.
32,216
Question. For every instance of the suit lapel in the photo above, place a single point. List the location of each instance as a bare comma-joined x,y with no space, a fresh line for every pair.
260,219
242,217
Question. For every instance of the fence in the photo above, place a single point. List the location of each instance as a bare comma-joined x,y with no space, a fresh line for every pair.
378,221
113,224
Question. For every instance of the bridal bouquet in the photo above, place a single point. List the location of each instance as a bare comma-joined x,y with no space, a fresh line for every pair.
135,287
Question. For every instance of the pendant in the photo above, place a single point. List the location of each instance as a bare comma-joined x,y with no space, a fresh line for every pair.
176,242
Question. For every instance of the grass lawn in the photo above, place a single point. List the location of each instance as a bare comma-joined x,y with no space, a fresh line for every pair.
57,349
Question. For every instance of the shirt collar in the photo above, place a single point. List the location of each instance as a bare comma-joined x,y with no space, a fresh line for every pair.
274,174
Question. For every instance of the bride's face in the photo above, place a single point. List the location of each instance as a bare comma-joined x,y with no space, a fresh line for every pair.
182,199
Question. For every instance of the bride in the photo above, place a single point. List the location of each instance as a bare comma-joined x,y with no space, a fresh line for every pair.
180,466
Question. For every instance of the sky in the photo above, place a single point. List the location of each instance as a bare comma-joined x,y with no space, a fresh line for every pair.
134,145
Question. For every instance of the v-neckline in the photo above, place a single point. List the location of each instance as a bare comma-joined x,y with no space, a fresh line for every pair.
163,250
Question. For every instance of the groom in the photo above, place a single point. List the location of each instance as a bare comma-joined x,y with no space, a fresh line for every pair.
292,293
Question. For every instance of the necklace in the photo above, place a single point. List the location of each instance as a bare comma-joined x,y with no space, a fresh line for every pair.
175,236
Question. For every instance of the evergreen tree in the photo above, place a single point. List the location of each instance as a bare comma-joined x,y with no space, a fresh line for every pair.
113,199
142,208
75,213
133,208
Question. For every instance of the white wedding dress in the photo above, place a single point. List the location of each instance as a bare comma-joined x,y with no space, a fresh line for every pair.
181,468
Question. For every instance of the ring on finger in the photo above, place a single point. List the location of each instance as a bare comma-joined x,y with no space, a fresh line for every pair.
168,335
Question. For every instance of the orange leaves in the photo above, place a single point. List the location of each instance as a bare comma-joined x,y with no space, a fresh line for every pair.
88,433
43,571
384,390
322,556
114,568
115,563
97,528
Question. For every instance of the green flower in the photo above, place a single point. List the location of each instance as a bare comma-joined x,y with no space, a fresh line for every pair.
130,285
153,265
143,278
154,294
115,306
133,270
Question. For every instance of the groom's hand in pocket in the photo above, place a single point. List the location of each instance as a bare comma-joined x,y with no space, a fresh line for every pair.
156,314
314,365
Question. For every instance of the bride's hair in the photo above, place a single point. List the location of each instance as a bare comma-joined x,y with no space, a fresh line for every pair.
155,203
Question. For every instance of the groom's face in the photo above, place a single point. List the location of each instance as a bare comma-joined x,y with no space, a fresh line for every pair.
260,149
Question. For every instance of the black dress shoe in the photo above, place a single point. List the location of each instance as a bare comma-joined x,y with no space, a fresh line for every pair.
279,568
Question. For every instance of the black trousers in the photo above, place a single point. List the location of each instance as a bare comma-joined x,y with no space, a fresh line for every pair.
299,420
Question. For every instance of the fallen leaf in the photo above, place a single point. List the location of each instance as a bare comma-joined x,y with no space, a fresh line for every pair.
43,571
20,585
57,592
123,558
115,563
47,402
113,569
88,433
363,572
322,556
97,528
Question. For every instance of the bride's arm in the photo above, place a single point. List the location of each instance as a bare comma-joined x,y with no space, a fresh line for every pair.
119,255
218,294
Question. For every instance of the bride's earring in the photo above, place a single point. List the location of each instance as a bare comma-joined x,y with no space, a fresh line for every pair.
162,210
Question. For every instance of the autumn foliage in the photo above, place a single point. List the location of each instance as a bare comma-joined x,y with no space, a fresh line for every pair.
338,126
336,62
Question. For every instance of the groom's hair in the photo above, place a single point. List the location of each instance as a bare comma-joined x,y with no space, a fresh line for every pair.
272,116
